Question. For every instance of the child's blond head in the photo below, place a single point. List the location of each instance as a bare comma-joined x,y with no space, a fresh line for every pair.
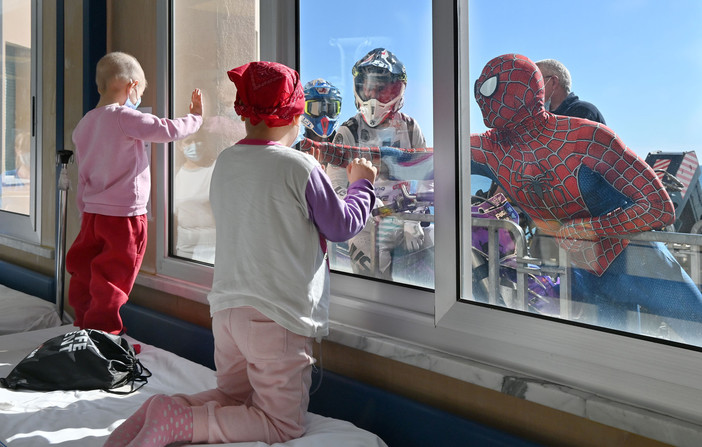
118,66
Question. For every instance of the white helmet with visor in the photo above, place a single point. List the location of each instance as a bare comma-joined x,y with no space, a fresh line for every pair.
379,85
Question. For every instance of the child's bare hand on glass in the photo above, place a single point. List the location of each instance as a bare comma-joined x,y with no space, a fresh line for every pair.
361,168
196,102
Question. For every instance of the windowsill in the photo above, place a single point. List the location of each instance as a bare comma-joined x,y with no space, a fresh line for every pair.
593,407
27,247
174,286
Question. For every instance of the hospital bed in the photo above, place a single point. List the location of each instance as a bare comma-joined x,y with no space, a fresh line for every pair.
26,300
86,418
179,354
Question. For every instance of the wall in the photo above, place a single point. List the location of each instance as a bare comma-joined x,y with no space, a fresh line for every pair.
73,110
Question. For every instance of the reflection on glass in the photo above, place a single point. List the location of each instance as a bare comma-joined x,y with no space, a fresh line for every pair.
227,37
192,215
578,222
382,73
15,144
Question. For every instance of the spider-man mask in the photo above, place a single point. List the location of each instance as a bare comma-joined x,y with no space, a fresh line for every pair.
509,90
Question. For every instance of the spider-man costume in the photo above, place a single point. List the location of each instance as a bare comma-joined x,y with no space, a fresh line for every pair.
340,155
578,182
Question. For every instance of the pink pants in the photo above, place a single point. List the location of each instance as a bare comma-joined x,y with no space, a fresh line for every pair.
264,373
103,262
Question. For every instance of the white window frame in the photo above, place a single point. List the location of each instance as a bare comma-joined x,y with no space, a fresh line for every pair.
17,230
175,275
657,376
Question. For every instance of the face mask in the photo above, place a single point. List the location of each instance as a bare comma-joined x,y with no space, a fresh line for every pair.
130,104
300,136
191,152
547,103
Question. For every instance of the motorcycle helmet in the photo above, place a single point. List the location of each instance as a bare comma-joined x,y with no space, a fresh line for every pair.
322,107
379,81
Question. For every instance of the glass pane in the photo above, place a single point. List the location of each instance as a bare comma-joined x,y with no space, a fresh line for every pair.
227,36
376,62
16,100
571,186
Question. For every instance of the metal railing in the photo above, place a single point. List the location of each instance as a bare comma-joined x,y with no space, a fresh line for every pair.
493,227
687,249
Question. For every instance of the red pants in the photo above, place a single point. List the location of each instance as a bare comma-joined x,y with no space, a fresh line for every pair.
103,262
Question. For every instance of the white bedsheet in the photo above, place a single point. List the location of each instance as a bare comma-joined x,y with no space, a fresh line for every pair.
20,312
86,418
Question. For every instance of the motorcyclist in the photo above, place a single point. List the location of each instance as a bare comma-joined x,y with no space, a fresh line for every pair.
322,109
320,121
380,80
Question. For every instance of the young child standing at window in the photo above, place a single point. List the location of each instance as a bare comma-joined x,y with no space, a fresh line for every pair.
270,293
113,189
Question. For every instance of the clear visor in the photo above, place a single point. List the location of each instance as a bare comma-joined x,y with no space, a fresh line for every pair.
323,107
381,86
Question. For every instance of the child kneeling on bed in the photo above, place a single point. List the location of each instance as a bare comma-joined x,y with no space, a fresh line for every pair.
273,208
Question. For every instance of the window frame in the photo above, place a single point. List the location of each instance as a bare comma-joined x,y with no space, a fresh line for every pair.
20,230
603,362
621,367
188,278
173,275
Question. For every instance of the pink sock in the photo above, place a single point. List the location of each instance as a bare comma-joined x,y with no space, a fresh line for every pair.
123,434
167,421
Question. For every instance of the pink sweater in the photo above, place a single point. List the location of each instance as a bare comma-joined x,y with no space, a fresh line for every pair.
113,165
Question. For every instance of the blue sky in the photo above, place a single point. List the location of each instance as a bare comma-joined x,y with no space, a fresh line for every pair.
638,61
334,35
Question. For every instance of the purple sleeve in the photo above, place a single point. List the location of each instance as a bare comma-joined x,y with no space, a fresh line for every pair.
338,219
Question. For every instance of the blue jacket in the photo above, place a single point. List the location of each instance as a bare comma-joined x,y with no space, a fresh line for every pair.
573,106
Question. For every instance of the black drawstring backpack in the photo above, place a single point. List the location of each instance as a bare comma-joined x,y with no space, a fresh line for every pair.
86,359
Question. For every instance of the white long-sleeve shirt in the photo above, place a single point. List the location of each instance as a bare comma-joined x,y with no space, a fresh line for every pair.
271,203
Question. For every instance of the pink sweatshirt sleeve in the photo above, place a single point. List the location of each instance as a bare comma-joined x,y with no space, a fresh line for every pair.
113,166
148,127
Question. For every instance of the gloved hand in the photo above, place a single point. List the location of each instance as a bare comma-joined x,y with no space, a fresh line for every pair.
414,236
306,144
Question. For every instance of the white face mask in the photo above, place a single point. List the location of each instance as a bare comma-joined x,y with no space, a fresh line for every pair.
547,102
192,152
300,135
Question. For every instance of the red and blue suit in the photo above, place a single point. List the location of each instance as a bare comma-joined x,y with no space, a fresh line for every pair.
579,183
